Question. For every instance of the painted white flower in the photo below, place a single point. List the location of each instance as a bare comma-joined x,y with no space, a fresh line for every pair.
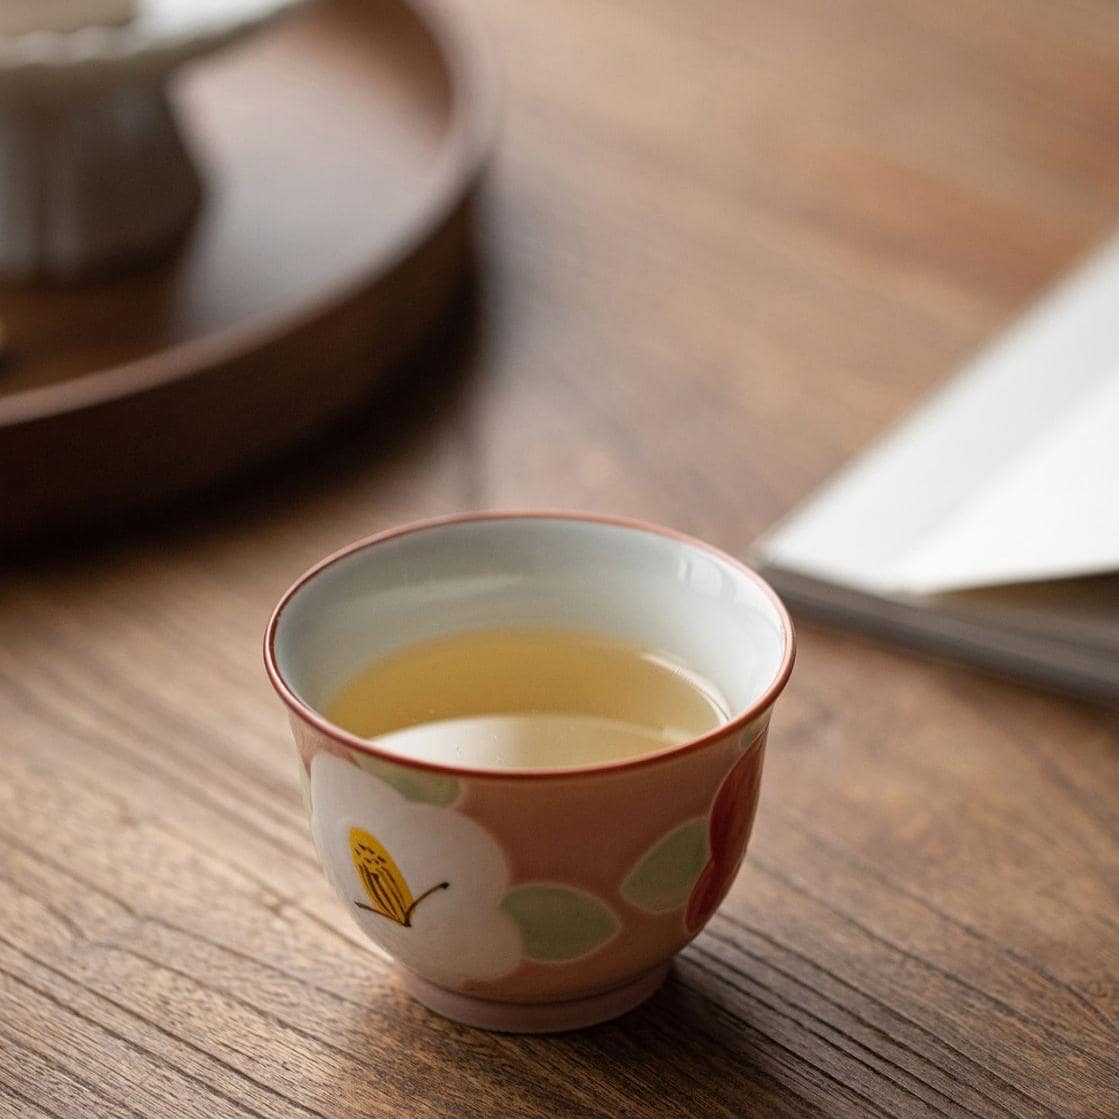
424,882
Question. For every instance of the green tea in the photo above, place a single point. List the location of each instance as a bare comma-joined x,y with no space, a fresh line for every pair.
526,699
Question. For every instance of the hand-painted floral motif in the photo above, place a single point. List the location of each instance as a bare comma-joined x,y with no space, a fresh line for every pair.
376,846
732,817
559,923
412,784
386,888
663,878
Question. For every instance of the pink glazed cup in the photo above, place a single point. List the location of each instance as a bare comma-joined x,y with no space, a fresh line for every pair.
542,900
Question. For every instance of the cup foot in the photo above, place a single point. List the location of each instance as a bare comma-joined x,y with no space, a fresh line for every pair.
534,1018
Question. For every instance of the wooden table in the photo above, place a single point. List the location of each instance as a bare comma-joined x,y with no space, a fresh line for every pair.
729,243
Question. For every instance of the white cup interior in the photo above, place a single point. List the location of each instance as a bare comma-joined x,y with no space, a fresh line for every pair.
679,598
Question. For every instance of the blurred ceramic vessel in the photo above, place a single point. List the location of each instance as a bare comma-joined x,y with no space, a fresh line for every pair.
94,170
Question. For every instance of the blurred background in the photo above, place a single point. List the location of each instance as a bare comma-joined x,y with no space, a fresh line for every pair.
718,250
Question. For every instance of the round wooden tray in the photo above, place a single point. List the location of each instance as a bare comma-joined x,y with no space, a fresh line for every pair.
341,152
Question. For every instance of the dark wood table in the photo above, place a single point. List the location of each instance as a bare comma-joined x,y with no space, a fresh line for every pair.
728,243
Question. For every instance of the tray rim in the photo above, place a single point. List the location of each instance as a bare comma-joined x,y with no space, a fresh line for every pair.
468,55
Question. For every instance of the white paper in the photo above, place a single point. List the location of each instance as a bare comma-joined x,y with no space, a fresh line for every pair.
1009,474
1051,512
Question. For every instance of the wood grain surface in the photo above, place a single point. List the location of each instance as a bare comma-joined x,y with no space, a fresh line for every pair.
728,243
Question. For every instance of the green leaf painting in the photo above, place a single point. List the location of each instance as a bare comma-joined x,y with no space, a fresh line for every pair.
558,923
412,784
662,879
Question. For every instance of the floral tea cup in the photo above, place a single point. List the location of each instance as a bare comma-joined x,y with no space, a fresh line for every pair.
548,899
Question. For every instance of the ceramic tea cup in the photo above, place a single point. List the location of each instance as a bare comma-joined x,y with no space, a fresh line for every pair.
553,898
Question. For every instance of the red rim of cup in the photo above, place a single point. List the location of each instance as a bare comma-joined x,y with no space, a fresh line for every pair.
344,738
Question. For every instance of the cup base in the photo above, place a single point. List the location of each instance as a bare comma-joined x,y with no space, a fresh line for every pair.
534,1018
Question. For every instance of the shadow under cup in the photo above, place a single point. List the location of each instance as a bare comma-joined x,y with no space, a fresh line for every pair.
531,900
